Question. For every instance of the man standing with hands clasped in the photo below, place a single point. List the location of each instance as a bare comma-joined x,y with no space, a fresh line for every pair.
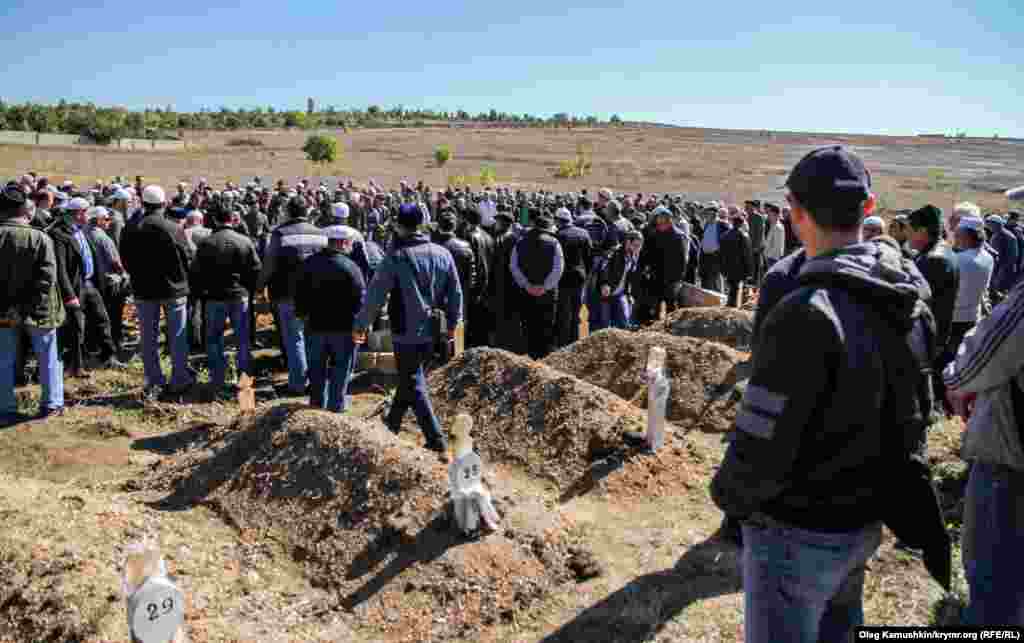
423,283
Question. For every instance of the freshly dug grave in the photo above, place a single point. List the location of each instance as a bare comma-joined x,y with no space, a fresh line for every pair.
730,326
34,603
367,515
703,374
557,427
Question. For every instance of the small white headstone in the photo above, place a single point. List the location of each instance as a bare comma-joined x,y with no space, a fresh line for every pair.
470,498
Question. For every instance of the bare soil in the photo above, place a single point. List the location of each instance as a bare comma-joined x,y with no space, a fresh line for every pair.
735,165
730,326
703,374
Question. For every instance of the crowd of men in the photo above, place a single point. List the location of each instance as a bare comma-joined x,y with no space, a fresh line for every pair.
515,269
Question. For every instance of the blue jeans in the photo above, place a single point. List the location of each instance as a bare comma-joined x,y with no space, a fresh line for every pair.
217,312
175,310
294,333
613,312
51,368
339,351
993,538
412,391
804,586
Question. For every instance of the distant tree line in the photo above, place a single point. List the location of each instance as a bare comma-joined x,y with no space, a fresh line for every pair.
104,124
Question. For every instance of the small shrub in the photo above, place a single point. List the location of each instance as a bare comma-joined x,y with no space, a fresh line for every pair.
488,176
321,149
245,142
442,154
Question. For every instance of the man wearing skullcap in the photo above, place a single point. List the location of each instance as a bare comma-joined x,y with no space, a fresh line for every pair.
329,294
578,252
873,226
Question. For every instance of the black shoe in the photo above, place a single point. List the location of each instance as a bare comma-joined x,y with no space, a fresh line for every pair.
10,419
51,413
441,450
636,439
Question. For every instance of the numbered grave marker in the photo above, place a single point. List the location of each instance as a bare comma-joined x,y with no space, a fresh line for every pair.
156,611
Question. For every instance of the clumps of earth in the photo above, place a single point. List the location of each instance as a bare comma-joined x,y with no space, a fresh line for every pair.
33,599
730,326
560,428
704,375
367,515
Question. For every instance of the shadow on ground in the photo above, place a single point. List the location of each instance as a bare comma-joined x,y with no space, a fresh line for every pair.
641,609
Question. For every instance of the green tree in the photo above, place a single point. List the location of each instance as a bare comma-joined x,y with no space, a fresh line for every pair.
615,120
373,110
442,154
295,119
321,149
41,119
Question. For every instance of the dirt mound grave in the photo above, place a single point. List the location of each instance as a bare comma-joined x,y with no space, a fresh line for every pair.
558,427
367,516
730,326
703,374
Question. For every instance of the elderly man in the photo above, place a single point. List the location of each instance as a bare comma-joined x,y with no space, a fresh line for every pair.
329,294
79,274
775,241
976,267
715,227
872,227
1005,243
114,286
29,302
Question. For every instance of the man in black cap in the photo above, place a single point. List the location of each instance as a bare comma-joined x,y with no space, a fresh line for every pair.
819,450
577,250
737,259
30,302
665,254
422,281
537,264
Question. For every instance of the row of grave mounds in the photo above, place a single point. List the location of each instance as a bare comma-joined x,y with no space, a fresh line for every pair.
367,515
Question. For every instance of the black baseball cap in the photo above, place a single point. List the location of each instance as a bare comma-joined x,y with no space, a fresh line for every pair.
829,178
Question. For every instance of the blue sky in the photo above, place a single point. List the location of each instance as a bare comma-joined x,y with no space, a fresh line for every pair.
893,67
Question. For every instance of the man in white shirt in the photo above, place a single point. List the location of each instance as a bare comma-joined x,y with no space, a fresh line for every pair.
775,241
976,266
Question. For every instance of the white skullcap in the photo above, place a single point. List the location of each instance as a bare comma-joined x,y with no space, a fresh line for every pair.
340,211
875,222
153,195
96,212
341,233
974,224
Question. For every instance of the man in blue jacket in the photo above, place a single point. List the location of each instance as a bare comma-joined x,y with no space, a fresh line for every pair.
421,278
1002,240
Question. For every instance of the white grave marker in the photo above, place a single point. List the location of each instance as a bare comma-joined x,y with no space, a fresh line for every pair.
156,607
471,499
657,397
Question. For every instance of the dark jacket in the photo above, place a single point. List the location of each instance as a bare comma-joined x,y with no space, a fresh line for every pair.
290,245
538,259
502,284
29,292
578,251
595,226
155,253
329,292
613,271
939,266
736,255
810,431
367,255
226,266
780,280
1004,276
483,253
465,260
70,262
419,276
758,230
665,254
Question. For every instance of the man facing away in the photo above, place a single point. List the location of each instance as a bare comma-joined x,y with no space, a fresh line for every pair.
30,302
804,473
420,278
329,293
223,275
